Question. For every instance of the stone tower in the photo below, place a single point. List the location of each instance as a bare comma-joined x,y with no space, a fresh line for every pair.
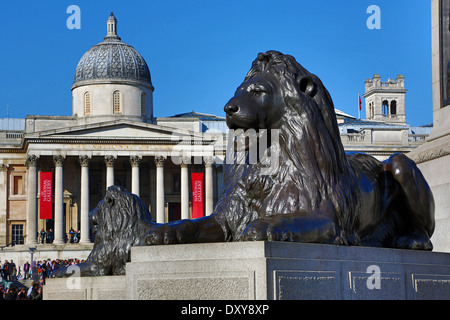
385,101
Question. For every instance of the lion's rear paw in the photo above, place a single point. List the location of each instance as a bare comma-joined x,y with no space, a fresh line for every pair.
415,242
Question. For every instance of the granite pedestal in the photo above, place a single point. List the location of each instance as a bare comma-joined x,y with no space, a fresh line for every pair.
270,270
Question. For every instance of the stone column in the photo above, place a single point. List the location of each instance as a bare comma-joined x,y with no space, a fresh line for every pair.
3,202
84,210
184,191
32,208
58,160
160,204
209,202
135,161
109,161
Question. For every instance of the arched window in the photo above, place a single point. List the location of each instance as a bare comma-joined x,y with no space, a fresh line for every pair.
143,103
116,102
385,106
393,107
87,103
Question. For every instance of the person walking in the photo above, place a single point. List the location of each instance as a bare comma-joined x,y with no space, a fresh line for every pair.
50,236
42,235
5,268
12,271
26,270
48,267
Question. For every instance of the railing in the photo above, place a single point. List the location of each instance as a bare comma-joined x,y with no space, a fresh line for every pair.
14,135
12,244
417,138
389,84
352,138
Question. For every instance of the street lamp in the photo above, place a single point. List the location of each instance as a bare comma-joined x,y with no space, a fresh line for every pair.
33,264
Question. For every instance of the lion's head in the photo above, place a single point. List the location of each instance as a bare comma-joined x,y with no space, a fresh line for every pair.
119,222
275,82
278,93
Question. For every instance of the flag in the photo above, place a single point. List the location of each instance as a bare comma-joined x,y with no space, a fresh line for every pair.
46,195
197,194
359,106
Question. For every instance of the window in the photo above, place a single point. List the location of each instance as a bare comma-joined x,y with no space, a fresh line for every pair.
385,106
87,103
116,102
17,233
393,107
18,185
143,103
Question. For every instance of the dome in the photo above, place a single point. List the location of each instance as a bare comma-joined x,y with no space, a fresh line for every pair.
112,61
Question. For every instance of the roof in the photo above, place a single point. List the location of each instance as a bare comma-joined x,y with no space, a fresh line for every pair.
199,115
12,124
343,114
366,123
112,61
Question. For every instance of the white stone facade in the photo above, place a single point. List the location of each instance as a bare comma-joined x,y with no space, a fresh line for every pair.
135,102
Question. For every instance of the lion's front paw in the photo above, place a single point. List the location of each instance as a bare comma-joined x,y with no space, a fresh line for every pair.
256,230
182,231
301,228
267,229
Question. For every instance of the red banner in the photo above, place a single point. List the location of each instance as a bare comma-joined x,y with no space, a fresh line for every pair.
197,194
46,195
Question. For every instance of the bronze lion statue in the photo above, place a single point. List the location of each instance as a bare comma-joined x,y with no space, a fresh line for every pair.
119,222
317,192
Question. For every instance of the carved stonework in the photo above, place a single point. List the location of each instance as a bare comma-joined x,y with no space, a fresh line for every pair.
3,167
432,154
32,161
58,160
135,161
159,161
110,160
448,78
444,48
84,160
185,160
209,161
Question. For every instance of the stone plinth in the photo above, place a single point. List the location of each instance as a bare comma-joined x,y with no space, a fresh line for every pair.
280,270
86,288
276,270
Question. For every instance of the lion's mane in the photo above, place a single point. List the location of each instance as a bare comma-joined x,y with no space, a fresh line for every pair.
120,221
311,156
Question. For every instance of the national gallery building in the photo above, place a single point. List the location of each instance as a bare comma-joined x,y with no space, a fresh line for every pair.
55,169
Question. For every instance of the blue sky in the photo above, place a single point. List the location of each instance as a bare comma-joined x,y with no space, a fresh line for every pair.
199,51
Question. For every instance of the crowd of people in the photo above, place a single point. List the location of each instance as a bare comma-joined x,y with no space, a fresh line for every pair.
38,271
48,236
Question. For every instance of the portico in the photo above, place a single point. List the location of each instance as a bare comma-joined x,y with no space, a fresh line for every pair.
111,138
83,170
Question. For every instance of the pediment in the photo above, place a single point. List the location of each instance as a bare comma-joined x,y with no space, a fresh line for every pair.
117,130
